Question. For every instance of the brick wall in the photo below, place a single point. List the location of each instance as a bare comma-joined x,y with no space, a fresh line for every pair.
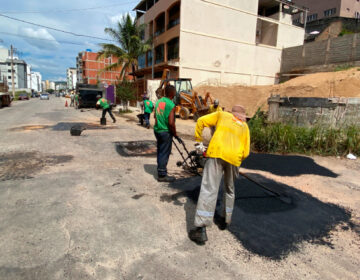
92,69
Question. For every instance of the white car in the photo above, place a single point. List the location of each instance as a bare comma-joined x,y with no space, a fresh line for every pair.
44,96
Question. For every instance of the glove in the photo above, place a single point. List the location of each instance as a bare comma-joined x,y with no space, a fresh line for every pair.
179,139
200,147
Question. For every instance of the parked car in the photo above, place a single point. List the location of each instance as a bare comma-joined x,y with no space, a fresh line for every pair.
23,96
44,96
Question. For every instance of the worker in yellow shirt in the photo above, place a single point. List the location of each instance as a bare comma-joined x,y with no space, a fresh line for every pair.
228,147
215,107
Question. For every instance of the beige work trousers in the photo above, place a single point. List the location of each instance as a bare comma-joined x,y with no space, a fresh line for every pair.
213,172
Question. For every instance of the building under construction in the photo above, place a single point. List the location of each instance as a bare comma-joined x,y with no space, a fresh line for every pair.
212,42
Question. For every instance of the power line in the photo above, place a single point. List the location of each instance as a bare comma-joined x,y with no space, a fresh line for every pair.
69,10
35,38
55,29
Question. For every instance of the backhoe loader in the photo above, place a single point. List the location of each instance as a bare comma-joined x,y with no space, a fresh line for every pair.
187,101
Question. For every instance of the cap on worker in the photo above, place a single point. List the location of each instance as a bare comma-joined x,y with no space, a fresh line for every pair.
98,96
239,112
216,102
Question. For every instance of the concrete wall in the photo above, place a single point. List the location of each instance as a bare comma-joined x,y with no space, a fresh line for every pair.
345,49
349,8
218,51
333,112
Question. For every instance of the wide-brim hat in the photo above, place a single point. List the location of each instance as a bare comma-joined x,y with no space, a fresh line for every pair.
239,112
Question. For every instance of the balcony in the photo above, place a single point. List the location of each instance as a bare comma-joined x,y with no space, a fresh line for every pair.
173,23
173,15
159,25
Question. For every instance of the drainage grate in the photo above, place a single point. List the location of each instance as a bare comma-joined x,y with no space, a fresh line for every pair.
136,148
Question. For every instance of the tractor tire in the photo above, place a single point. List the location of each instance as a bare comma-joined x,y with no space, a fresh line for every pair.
184,113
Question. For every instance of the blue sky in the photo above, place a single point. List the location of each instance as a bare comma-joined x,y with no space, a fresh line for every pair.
51,52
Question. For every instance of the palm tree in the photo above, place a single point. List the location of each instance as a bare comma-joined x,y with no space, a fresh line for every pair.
130,45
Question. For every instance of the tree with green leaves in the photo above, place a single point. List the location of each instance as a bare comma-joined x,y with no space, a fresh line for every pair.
129,45
125,91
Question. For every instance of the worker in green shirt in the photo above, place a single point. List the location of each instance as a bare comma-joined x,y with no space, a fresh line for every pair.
104,104
76,100
148,108
165,130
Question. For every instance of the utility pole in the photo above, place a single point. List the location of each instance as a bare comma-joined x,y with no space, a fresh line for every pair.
12,71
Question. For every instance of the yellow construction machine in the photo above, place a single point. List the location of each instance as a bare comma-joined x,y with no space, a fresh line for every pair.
187,101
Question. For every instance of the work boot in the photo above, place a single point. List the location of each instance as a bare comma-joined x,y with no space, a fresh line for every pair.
166,179
114,120
198,235
148,126
220,222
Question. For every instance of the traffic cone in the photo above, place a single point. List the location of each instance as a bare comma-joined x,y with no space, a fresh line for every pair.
66,103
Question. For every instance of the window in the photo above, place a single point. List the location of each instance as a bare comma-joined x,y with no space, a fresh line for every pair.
149,58
296,21
160,24
266,33
142,35
330,12
312,17
159,54
183,86
9,77
357,15
141,61
9,70
173,49
174,15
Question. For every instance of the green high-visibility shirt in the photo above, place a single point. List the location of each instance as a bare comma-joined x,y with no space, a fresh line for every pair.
103,103
162,111
149,106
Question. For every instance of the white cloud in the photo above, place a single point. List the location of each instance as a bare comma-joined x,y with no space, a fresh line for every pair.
118,17
41,38
59,79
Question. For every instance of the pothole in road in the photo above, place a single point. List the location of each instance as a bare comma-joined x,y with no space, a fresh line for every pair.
136,148
29,127
24,165
64,126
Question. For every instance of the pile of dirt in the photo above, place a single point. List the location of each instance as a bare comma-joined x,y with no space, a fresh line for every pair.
327,84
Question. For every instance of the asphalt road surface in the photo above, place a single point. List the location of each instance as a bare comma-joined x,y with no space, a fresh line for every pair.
87,207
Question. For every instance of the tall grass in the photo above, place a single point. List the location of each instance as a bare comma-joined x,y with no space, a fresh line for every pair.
287,138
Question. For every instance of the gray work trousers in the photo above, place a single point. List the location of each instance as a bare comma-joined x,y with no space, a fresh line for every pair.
213,172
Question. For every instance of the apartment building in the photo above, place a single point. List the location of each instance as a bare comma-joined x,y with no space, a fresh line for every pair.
217,41
89,69
20,72
71,78
36,81
321,9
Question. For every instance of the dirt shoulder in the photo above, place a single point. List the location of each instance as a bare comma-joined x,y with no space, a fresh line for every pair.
327,84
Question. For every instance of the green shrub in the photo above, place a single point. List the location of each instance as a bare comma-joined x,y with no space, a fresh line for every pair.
287,138
125,91
342,67
345,32
17,93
